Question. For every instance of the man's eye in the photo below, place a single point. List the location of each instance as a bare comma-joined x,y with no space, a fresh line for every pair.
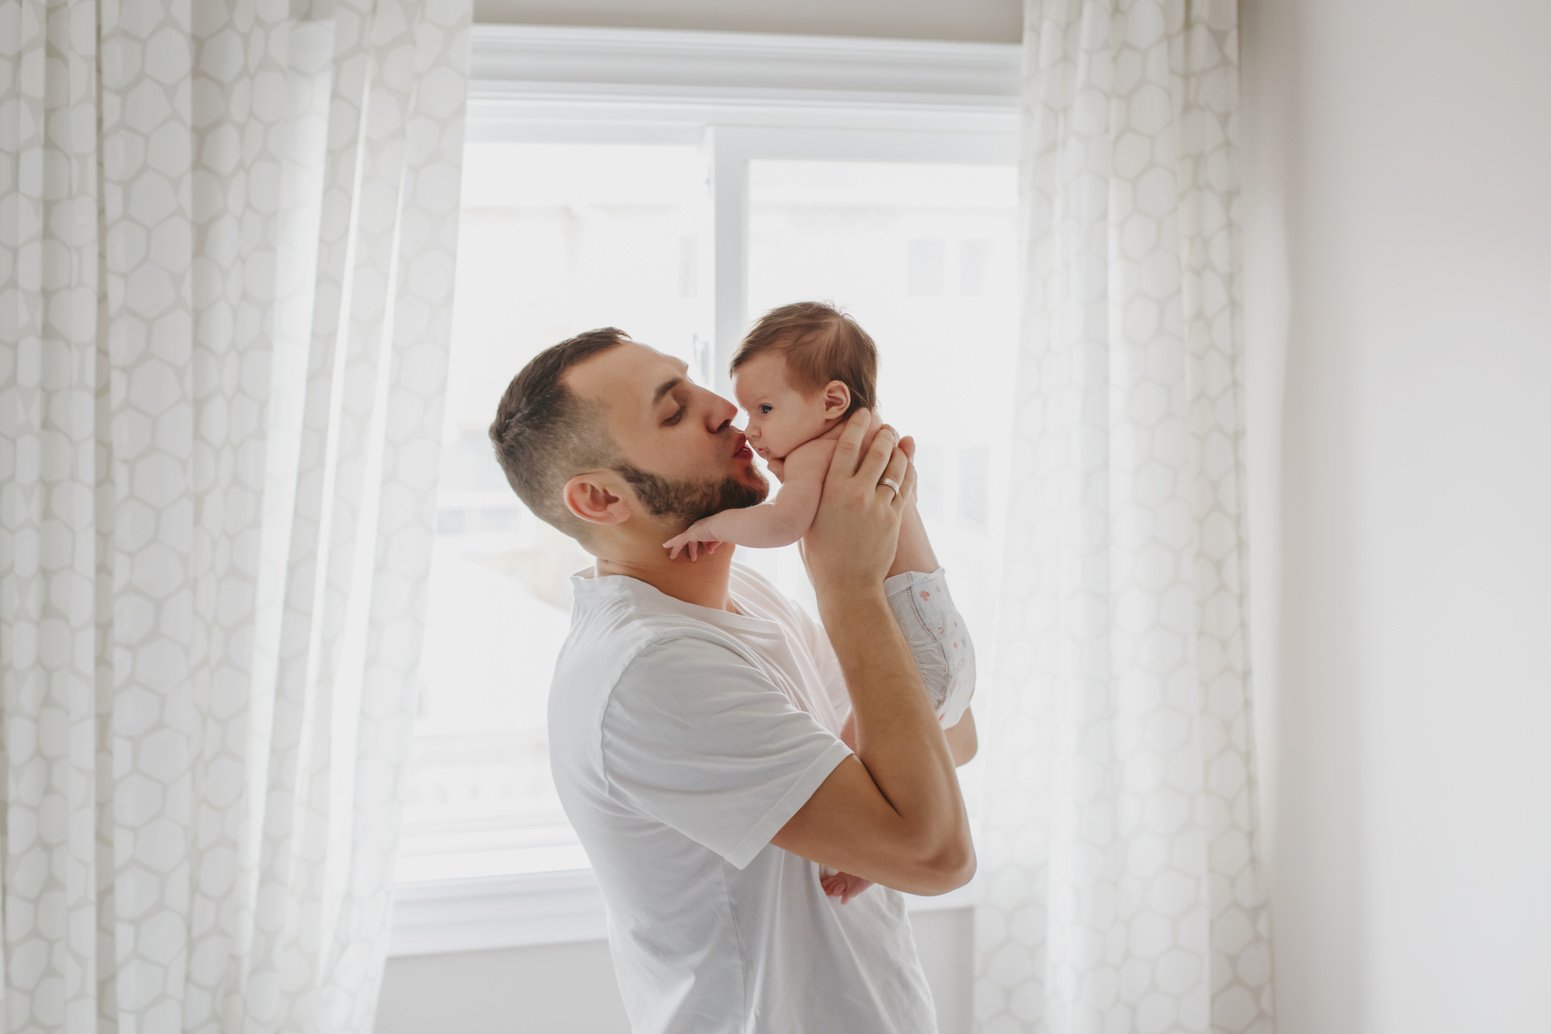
675,418
765,407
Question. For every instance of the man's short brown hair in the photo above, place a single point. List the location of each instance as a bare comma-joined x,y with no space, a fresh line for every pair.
820,344
544,433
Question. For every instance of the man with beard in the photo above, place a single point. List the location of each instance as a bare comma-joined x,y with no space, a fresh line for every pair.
694,712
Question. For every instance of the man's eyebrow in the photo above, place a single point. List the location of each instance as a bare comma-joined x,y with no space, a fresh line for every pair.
667,386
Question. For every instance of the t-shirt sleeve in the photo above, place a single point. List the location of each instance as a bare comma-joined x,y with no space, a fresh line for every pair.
700,739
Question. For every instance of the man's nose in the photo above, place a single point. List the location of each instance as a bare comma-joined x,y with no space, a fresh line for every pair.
720,413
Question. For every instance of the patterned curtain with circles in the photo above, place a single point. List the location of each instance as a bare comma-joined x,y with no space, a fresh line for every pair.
1124,891
227,232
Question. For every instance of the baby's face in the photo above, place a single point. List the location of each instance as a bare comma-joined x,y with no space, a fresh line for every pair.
780,417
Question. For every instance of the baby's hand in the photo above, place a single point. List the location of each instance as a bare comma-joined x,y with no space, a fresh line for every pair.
844,885
690,539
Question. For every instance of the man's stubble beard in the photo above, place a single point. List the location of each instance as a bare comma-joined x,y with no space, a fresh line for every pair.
691,498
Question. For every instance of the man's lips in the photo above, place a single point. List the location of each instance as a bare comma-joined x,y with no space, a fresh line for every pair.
742,448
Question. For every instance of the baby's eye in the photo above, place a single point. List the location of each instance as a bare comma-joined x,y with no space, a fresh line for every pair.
765,407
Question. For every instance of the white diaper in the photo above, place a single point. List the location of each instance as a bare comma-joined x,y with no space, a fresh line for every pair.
938,639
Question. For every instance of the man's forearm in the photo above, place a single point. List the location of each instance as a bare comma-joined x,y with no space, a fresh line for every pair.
898,736
914,552
963,741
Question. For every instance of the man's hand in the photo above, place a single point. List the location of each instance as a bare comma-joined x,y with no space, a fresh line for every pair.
856,529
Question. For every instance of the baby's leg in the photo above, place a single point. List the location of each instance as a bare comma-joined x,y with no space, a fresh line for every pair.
938,639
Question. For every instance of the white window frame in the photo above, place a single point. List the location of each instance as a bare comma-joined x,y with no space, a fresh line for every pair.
744,97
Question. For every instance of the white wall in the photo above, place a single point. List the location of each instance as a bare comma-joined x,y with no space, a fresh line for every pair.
996,21
1398,208
570,988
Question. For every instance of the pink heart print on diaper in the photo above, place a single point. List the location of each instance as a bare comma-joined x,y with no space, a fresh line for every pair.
925,595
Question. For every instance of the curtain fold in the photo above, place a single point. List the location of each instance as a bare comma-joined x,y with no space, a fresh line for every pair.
227,233
1120,856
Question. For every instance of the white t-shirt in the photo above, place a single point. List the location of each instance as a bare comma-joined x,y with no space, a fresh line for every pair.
682,738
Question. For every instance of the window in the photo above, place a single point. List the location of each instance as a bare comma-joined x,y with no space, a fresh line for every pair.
555,238
677,195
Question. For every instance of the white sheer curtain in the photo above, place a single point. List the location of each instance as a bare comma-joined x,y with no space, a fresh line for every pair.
227,232
1124,891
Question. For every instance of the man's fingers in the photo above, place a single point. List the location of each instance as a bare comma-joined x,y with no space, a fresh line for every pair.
879,455
907,487
898,464
850,443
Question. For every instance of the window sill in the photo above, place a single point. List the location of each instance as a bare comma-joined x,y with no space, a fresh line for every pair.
438,917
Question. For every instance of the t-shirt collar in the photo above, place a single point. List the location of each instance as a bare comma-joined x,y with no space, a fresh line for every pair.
588,582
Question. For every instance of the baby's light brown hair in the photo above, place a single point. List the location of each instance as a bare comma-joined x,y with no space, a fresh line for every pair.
820,344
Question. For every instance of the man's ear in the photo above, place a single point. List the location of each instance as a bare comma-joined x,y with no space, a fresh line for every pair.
596,497
837,399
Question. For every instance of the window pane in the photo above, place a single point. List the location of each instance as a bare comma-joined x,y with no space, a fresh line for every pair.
555,239
924,256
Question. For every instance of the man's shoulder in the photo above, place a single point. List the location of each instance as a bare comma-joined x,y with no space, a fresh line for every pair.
621,637
679,675
745,580
787,611
642,655
614,635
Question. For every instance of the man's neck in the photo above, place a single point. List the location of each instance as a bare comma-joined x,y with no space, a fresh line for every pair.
702,582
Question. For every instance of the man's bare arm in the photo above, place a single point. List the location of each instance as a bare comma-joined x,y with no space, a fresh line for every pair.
893,813
963,743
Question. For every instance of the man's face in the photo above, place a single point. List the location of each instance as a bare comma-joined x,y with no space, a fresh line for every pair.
680,452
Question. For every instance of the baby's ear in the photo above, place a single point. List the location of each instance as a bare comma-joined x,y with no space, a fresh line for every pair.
837,399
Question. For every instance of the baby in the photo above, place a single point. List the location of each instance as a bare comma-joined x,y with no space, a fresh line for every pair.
799,373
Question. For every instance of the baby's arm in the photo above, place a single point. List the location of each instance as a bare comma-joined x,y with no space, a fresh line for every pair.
780,522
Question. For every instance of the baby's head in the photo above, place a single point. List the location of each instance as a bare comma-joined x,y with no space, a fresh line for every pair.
801,370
